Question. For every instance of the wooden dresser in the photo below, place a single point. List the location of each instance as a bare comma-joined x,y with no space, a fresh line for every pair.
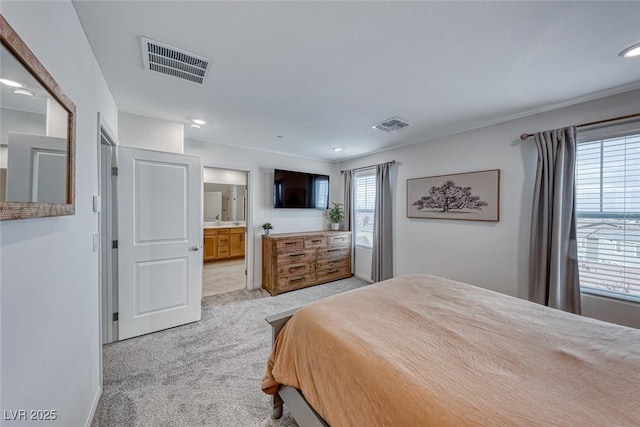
296,260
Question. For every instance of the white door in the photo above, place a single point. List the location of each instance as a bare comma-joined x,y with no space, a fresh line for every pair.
159,241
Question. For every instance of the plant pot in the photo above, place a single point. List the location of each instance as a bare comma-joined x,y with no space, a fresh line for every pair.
267,231
335,226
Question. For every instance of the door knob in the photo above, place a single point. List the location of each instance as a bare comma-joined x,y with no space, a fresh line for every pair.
195,248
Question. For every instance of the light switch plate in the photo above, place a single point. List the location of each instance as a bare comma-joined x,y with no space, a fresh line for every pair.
97,203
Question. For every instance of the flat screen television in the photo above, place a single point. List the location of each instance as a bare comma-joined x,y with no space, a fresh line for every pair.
300,190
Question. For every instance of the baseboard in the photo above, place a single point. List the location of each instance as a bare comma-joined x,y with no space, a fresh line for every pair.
94,407
362,277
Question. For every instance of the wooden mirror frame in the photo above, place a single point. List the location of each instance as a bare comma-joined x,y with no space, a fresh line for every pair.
21,210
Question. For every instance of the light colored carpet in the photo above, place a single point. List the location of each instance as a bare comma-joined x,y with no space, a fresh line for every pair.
223,276
206,373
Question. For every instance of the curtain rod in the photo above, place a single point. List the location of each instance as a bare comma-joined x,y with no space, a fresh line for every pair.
392,162
525,136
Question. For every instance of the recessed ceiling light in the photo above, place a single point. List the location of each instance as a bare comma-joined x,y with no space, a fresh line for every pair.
10,83
195,126
337,148
25,92
198,121
631,51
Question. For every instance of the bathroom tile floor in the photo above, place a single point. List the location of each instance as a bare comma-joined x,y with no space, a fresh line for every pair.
223,276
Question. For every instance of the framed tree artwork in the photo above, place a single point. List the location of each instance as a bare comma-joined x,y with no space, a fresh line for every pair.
473,196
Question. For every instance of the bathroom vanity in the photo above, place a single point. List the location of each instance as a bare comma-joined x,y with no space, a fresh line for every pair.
223,241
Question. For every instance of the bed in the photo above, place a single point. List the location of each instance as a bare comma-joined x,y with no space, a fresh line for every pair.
419,350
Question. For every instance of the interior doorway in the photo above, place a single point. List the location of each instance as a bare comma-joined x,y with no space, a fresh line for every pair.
225,246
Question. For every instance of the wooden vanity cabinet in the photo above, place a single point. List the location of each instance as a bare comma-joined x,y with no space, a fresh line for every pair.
236,242
296,260
223,243
210,246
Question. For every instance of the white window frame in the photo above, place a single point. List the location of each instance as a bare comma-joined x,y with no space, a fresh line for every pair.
595,134
369,172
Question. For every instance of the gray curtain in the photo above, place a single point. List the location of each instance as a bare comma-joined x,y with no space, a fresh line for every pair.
382,258
348,213
553,267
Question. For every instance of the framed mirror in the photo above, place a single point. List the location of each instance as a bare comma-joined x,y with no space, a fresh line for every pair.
37,136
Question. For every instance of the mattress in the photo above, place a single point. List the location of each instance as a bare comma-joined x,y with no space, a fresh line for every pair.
420,350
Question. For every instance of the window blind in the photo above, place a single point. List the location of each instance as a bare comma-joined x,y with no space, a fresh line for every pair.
608,210
365,201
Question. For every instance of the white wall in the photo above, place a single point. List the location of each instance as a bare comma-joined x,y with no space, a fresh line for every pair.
151,134
50,348
491,255
20,121
261,164
362,263
224,176
57,119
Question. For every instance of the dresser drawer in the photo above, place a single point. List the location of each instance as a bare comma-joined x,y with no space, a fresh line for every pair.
295,282
236,230
332,274
223,239
296,269
223,251
315,242
333,253
210,232
295,257
332,263
339,240
292,243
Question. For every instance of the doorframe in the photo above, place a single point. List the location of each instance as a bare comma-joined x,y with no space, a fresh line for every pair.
105,133
249,239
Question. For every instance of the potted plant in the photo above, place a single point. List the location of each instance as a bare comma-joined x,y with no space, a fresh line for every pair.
267,227
336,215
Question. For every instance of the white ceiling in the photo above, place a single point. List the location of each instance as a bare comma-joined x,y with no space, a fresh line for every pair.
322,73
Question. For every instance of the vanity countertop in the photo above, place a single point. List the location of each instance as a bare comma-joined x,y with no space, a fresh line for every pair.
224,224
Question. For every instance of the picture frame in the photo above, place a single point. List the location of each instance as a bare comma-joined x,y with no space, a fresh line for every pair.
469,196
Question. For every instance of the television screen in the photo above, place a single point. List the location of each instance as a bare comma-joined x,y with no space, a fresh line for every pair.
300,190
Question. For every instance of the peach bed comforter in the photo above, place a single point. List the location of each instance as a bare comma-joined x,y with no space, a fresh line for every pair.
419,350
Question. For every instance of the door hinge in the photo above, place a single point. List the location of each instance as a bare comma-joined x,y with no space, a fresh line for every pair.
245,272
114,171
114,244
115,316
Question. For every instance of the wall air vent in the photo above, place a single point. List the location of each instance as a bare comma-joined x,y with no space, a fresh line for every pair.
394,124
168,60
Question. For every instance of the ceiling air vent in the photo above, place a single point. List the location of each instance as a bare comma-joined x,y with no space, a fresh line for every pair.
394,124
168,60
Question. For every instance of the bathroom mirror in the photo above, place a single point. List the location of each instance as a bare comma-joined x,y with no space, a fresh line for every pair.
224,202
37,133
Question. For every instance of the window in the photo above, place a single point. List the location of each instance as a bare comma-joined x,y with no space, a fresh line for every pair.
608,212
364,203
